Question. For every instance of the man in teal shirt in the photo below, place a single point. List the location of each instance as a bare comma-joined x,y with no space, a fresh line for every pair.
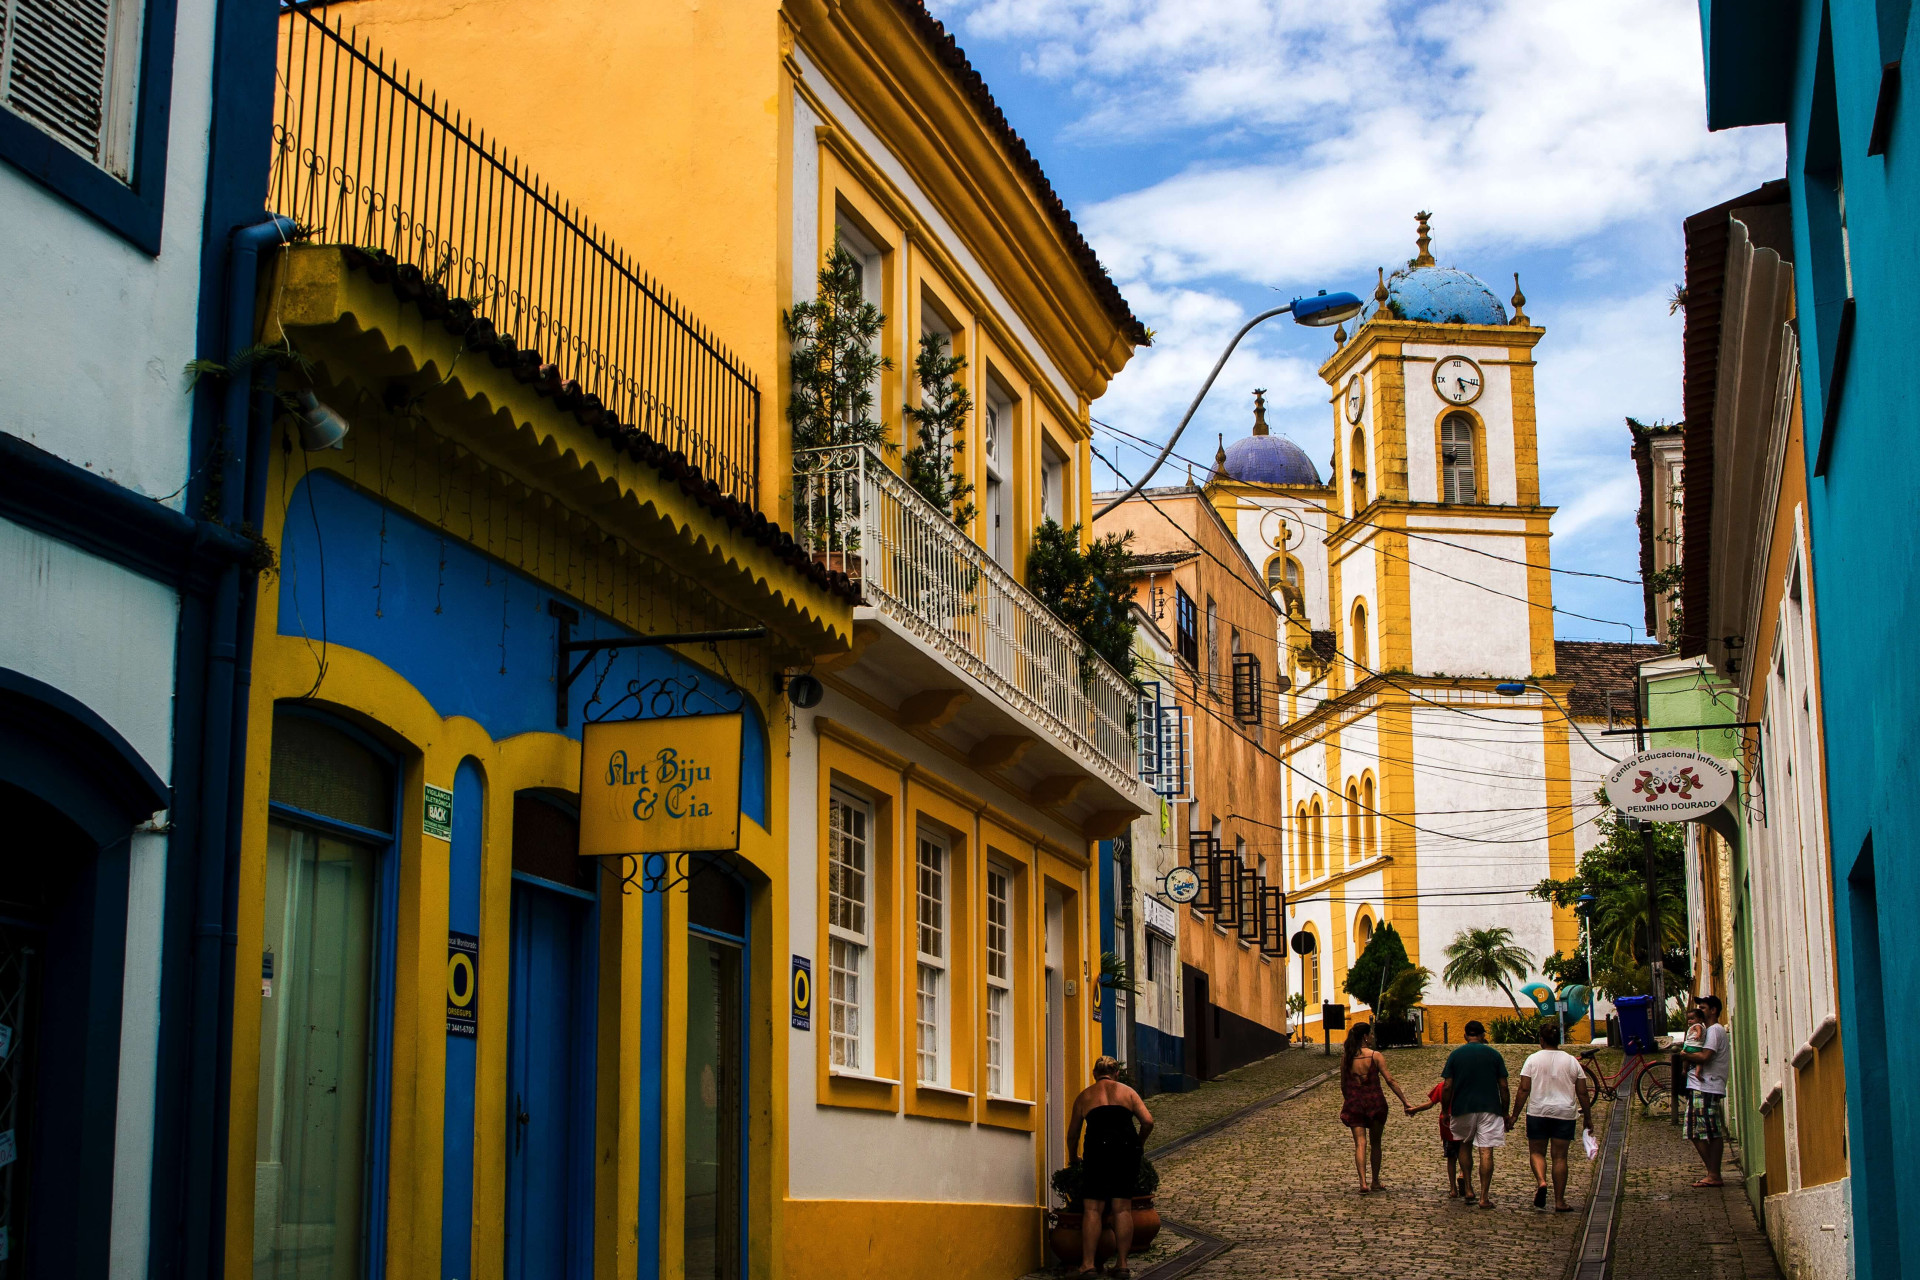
1476,1094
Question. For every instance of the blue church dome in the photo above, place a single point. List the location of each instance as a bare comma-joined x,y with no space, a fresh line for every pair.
1442,295
1270,460
1262,458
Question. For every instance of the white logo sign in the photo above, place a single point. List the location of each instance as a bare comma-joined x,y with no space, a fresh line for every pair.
1182,884
1669,786
1160,917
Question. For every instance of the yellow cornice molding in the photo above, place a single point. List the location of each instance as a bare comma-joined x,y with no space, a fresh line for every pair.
1367,518
888,75
1333,879
1376,333
828,727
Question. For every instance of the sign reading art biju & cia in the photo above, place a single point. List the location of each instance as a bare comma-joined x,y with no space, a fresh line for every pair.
670,785
1670,785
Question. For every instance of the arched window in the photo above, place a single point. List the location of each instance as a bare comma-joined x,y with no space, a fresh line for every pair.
1459,481
1357,467
1370,819
1362,932
1302,842
1313,970
1360,650
1318,826
1355,850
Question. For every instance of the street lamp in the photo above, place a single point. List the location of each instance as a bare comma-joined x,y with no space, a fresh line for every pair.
1584,904
1514,688
1317,312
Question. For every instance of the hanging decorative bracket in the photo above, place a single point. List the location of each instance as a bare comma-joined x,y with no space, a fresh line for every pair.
566,671
659,872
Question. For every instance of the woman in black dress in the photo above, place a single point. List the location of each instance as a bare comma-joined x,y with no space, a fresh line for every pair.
1110,1161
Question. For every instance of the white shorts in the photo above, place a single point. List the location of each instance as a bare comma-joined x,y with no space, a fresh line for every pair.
1480,1129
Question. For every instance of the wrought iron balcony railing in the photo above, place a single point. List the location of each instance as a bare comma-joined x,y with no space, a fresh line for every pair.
365,156
917,567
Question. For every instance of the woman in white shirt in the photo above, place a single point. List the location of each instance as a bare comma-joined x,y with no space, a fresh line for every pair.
1553,1093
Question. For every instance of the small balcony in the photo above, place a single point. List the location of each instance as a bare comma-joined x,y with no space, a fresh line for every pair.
1032,703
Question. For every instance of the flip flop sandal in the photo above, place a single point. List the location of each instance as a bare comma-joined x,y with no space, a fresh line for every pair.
1539,1197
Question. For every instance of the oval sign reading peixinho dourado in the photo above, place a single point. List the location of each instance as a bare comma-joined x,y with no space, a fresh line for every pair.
1672,785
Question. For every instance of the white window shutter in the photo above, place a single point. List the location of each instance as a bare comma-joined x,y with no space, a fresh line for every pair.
58,69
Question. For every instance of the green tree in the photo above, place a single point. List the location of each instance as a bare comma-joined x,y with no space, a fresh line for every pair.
834,359
1487,958
931,464
1091,591
1383,961
1614,873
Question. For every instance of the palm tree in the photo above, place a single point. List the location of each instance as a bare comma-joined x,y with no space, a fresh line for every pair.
1487,958
1620,924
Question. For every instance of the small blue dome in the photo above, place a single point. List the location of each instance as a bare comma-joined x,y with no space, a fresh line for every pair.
1265,459
1442,295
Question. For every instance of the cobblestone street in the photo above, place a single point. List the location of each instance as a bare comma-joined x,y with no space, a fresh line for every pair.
1281,1185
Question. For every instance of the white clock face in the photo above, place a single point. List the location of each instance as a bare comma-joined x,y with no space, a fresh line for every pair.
1457,379
1356,398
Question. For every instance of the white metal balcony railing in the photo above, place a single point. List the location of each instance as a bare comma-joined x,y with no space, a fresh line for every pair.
856,514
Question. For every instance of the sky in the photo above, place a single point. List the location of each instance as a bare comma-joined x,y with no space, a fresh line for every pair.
1223,156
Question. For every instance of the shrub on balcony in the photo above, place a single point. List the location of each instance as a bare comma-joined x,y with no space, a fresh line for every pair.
834,360
1089,590
944,405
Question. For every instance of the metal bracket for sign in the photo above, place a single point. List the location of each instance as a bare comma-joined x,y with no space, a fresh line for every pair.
564,675
1680,728
659,872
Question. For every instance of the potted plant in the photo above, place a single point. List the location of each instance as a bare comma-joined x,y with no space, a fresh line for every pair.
1064,1223
1297,1014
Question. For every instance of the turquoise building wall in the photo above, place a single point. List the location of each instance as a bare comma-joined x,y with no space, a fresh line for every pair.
1822,70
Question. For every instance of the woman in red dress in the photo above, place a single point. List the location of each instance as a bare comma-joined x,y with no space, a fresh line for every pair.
1365,1108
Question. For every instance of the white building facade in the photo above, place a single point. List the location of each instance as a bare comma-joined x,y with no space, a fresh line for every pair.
120,555
1416,581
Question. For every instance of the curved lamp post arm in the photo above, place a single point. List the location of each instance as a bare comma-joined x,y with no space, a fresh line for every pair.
1205,387
1513,687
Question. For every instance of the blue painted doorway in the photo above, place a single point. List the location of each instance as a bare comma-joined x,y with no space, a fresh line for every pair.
550,1049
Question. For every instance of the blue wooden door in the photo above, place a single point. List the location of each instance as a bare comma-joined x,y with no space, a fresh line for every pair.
549,1085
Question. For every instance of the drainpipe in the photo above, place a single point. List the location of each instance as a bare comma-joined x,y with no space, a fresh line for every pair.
228,669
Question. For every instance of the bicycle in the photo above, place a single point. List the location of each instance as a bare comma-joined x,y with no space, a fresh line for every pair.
1650,1087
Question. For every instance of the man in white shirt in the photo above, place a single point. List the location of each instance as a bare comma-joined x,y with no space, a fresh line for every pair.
1707,1089
1553,1094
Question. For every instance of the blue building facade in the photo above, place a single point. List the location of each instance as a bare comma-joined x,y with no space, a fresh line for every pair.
1831,73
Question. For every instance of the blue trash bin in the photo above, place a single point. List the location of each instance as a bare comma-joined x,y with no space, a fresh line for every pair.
1636,1023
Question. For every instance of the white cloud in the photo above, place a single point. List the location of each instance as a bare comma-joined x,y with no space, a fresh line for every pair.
1284,144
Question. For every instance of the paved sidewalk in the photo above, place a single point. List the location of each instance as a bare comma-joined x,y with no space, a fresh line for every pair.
1281,1185
1670,1228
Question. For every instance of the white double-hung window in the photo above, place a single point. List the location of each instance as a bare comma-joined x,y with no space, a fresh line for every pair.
930,934
999,984
69,68
849,932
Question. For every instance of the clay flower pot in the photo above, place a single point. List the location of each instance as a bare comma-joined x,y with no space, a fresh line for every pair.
1063,1234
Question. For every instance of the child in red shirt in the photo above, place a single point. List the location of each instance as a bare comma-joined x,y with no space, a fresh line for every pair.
1452,1147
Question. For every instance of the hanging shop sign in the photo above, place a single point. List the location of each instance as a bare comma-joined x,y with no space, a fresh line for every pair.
670,785
1181,884
463,984
1669,785
1160,917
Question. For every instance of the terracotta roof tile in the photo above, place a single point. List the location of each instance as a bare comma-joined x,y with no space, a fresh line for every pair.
1599,668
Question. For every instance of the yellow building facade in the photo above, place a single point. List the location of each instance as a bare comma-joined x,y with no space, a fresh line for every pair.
845,1047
